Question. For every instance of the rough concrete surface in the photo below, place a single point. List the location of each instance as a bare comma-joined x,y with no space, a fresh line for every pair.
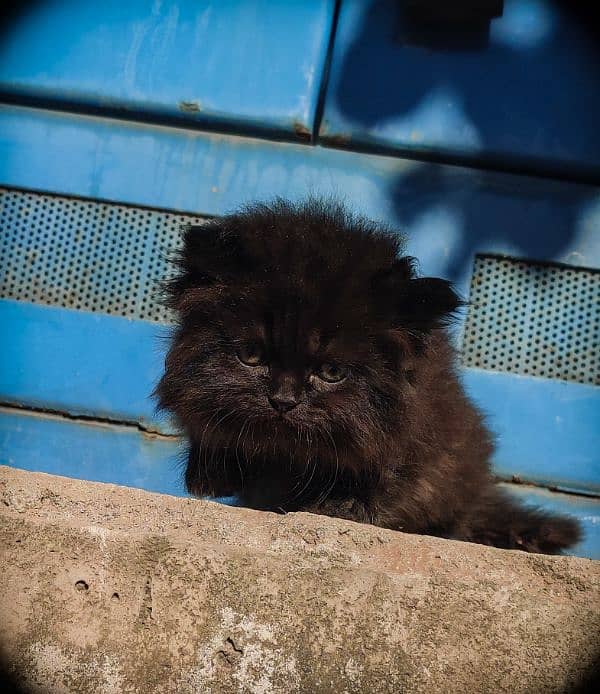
109,589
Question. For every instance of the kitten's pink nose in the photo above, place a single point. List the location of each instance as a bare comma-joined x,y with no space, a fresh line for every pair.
282,402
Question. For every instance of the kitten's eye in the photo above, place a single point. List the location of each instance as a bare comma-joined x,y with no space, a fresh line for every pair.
332,373
251,354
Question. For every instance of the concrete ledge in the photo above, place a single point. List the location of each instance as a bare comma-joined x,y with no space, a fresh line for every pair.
108,589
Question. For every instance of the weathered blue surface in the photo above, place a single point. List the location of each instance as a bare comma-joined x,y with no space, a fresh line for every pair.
449,213
81,363
239,64
90,451
546,430
530,95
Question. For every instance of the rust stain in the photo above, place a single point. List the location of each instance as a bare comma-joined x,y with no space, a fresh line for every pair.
339,139
189,106
301,130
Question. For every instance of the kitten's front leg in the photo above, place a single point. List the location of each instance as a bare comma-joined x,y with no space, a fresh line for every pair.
211,473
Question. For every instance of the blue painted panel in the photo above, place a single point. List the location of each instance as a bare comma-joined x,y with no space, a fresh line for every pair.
547,431
449,213
95,452
81,363
248,64
530,95
585,509
106,366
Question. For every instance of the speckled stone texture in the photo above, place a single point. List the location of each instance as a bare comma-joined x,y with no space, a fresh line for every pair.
109,589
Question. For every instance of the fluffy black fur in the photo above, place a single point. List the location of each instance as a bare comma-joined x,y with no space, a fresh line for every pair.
311,371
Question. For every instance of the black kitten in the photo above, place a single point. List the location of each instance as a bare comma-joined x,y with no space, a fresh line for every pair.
311,371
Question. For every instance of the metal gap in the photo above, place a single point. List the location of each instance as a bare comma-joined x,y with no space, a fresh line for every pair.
518,482
514,165
325,76
31,410
212,125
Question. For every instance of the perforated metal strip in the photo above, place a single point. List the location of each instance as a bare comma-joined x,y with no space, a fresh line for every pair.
86,255
533,318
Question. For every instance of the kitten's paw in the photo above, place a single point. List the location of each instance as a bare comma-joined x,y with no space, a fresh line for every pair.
547,535
500,521
349,509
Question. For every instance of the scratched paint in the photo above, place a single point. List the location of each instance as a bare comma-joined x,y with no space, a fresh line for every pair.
239,60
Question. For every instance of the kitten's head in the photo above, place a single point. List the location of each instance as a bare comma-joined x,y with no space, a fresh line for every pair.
299,325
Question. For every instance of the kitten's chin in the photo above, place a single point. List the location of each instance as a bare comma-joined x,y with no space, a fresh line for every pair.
281,430
280,424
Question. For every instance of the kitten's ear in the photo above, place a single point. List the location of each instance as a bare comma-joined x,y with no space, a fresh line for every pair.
426,303
420,304
211,256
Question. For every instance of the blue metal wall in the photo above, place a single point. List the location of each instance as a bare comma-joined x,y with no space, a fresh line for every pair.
193,108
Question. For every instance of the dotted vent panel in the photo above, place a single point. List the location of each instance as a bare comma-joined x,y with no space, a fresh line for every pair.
86,255
533,318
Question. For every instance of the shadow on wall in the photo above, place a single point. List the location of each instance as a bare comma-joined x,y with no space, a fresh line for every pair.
531,87
493,101
539,220
11,12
